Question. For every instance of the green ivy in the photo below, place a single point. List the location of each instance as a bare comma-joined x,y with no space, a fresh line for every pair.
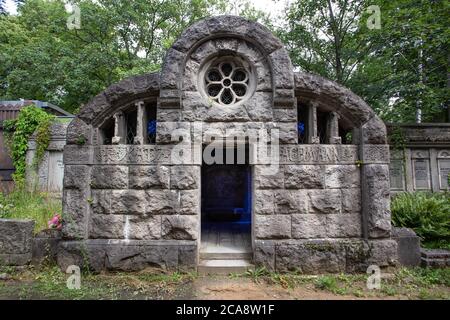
19,130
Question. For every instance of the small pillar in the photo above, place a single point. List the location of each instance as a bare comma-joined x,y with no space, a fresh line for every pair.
141,124
313,138
333,129
119,129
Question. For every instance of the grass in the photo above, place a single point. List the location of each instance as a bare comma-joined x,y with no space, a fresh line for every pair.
23,204
408,283
50,283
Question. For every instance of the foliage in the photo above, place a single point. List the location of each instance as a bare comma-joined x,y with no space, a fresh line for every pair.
40,58
428,214
22,204
19,130
396,69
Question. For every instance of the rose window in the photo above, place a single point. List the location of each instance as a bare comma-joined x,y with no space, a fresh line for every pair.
226,83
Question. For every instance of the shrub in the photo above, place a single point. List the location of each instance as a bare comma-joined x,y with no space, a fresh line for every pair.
18,131
428,214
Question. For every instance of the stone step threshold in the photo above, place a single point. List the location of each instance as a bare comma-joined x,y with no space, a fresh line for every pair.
225,255
217,266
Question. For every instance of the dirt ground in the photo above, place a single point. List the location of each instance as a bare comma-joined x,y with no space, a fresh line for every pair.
51,283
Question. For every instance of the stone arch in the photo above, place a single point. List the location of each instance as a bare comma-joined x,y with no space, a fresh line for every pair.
105,105
352,109
227,27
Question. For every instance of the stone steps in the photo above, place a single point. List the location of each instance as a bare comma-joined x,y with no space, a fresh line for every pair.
224,266
225,256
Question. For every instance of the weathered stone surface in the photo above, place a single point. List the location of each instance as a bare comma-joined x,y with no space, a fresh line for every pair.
75,209
303,177
316,256
305,226
408,246
272,227
342,176
264,202
180,227
187,257
259,107
351,200
383,253
169,132
189,202
290,201
264,254
143,228
190,79
90,111
76,176
107,226
374,131
79,133
16,238
343,226
162,201
325,201
268,181
128,202
75,154
149,177
184,177
109,177
377,200
45,246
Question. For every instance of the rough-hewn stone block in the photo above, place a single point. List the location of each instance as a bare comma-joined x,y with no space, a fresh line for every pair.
109,177
376,200
303,177
180,227
272,227
75,208
184,177
149,177
325,201
16,238
343,226
342,176
270,181
305,226
76,176
351,200
128,202
162,201
290,201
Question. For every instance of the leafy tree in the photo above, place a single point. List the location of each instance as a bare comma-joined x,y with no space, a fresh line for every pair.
396,69
40,58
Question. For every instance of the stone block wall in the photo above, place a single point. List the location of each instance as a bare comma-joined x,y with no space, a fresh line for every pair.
16,237
325,207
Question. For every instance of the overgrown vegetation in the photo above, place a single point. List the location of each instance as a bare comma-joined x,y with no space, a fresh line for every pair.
23,204
428,214
18,131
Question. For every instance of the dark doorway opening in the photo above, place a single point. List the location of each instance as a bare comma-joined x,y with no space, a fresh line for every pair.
226,205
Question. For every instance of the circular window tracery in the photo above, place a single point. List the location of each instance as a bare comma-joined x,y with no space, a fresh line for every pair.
227,81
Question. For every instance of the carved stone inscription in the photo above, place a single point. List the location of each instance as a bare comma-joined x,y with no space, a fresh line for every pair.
396,175
444,173
421,173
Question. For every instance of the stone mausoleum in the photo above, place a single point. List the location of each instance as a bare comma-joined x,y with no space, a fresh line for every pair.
227,158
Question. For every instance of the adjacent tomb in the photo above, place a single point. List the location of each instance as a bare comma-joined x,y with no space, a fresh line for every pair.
227,154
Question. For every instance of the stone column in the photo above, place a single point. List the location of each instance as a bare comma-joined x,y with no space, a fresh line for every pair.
119,129
313,138
141,124
333,129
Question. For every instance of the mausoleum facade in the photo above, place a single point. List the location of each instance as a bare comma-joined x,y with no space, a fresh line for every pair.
227,153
